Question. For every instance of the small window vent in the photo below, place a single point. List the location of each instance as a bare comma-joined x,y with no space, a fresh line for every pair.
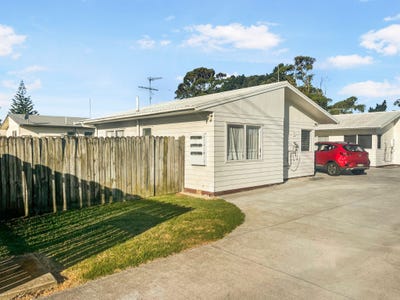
198,150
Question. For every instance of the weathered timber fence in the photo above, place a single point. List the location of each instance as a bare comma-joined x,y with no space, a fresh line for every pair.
39,175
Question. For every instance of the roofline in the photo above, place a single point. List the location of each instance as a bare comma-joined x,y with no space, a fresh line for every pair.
52,125
128,117
311,102
347,128
396,116
228,99
205,107
382,126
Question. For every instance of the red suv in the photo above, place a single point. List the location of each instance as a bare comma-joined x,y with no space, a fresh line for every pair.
334,157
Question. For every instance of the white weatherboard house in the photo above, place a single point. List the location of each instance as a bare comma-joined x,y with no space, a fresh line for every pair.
378,133
40,126
235,140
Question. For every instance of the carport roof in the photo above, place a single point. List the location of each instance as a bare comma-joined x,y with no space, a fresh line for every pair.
207,102
362,121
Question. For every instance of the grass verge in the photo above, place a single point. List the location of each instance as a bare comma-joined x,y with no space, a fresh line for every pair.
96,241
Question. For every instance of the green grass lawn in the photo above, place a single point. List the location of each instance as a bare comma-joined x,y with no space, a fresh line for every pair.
91,242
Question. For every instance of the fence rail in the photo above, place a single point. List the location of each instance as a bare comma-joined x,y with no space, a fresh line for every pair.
39,175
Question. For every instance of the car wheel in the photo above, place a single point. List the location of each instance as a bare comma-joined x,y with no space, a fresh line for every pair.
357,172
333,169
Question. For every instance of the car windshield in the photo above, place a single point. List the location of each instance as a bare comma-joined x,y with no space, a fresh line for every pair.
353,148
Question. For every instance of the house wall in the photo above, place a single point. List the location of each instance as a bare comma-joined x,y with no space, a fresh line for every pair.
42,130
390,151
280,120
396,137
52,131
298,163
12,127
265,110
196,177
390,144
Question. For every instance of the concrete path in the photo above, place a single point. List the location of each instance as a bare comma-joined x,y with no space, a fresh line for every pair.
310,238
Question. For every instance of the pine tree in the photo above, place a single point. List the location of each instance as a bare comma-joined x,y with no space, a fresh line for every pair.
22,104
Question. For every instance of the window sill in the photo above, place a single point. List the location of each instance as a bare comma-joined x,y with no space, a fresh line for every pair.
244,161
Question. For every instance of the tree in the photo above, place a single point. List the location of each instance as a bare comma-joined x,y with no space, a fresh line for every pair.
397,102
318,96
22,104
302,67
347,106
199,81
203,81
378,107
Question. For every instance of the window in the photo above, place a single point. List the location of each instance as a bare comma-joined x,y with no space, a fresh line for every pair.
305,140
243,142
350,139
146,131
252,142
379,141
235,142
119,133
88,133
365,140
115,133
71,133
110,133
353,148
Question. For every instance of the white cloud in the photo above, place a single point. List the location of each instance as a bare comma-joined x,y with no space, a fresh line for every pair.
385,41
254,37
179,78
169,18
5,100
28,70
10,84
392,18
349,61
15,56
146,42
34,85
14,84
373,89
9,39
165,42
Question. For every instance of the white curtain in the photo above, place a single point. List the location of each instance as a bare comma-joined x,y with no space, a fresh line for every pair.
235,142
252,142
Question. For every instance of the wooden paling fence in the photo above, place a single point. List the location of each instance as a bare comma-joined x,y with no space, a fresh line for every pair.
39,175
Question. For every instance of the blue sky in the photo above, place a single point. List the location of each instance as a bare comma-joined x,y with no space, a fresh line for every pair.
68,52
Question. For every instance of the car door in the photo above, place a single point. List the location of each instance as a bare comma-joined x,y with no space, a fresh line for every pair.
321,154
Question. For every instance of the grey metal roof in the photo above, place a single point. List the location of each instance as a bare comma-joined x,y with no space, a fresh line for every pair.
360,121
46,121
206,102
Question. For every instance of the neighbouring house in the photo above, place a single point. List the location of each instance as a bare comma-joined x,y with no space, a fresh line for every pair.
235,140
378,133
39,126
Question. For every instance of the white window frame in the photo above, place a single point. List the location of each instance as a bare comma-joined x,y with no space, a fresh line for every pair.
110,133
146,129
260,145
115,133
119,132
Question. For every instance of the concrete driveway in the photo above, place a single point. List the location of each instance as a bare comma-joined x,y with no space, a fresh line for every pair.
310,238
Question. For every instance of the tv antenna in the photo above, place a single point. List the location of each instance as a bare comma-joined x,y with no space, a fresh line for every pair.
151,89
